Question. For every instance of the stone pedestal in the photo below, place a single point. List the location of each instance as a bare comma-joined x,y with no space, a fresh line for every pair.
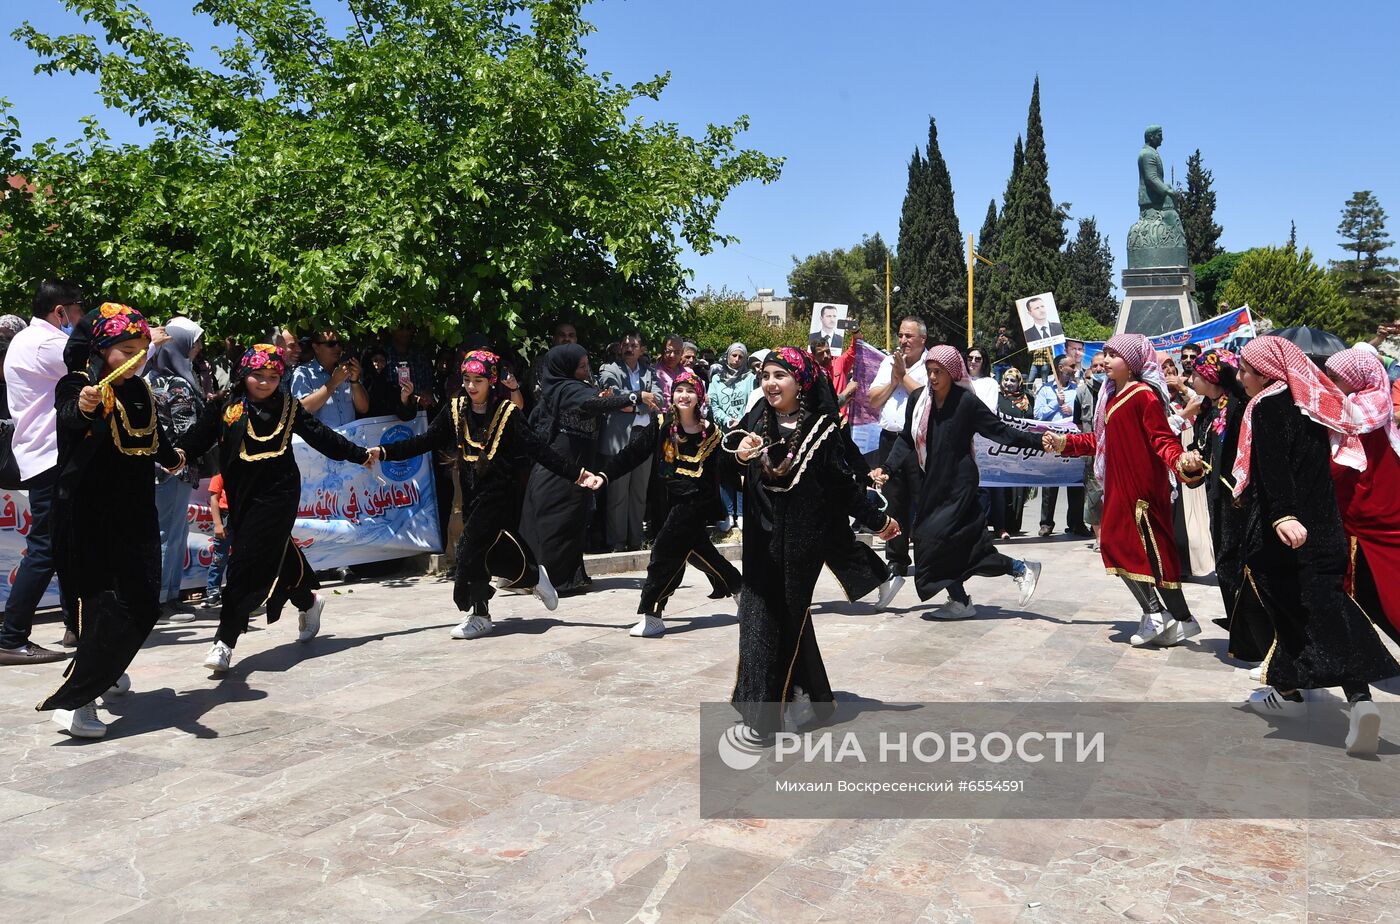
1157,300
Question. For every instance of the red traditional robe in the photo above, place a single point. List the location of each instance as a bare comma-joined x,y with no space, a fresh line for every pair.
1369,502
1136,538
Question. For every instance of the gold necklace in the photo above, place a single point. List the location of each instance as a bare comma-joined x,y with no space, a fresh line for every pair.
125,426
283,428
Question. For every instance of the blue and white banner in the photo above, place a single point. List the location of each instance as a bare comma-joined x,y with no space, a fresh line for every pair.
348,515
1230,330
1013,467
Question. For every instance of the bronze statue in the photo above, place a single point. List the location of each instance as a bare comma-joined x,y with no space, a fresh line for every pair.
1158,238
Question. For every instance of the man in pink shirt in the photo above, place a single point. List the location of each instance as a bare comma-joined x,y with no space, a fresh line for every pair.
33,366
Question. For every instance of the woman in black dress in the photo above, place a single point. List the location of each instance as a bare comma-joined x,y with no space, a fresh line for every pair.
555,514
1295,550
107,549
1216,378
682,445
253,428
495,441
951,541
1008,503
795,475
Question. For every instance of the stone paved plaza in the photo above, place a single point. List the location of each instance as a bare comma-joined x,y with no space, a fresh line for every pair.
386,773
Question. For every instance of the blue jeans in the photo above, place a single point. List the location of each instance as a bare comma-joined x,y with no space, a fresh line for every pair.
173,512
219,560
35,568
1039,370
733,498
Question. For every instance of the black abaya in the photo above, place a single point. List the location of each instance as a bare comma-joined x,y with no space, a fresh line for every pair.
493,449
1321,637
683,501
787,519
264,492
951,541
106,536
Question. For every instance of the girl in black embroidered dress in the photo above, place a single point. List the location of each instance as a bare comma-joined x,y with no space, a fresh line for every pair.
106,537
795,474
682,445
253,428
495,442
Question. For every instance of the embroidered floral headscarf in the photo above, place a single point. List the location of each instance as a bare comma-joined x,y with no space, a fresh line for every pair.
113,324
483,363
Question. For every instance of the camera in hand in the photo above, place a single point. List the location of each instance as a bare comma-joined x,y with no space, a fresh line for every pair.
847,324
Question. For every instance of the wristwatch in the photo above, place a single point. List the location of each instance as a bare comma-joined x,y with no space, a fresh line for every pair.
634,398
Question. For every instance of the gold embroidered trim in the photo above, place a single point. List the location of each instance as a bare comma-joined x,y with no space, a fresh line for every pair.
125,427
1275,523
1122,399
491,441
1264,665
283,429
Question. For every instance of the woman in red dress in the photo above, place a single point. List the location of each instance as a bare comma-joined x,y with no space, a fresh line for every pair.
1135,453
1369,499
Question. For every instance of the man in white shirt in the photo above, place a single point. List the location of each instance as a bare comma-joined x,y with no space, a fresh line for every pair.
899,375
33,366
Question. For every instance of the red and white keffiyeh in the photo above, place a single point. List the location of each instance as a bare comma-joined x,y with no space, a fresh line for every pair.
1136,350
1362,372
1313,393
951,360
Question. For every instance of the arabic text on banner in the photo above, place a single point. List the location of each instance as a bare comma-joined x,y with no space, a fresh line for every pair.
1013,467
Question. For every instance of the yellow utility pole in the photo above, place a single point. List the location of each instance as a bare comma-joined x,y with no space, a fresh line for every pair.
887,303
972,257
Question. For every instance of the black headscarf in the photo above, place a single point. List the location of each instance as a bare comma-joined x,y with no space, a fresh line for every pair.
172,358
560,390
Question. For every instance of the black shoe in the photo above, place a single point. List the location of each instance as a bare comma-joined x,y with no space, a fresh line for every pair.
345,576
30,653
70,639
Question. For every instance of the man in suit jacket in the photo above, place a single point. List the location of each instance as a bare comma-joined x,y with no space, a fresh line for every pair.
1042,328
833,336
627,494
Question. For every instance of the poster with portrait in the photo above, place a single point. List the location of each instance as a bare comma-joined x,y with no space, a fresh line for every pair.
1040,321
832,322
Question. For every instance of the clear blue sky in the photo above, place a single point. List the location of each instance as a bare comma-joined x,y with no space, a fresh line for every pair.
1291,104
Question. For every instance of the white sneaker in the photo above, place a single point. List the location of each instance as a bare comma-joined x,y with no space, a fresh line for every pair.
1256,673
81,722
1268,702
954,609
1363,737
1027,581
475,627
889,590
218,658
120,688
1151,628
1179,632
309,620
545,591
648,626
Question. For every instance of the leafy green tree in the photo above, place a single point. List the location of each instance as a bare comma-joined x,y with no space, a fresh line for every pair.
932,275
448,161
1081,325
1088,275
992,296
854,277
715,319
1032,230
1211,278
1364,277
1287,287
1196,204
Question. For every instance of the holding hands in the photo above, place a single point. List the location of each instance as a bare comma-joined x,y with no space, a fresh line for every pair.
376,454
878,477
1191,463
890,531
1051,441
592,482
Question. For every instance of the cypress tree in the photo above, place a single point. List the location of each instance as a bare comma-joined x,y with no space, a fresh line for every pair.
1030,244
1088,275
932,272
992,289
1197,209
